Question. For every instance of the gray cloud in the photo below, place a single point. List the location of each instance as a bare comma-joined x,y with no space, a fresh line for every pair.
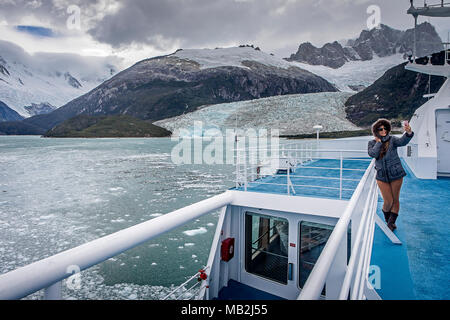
272,24
275,25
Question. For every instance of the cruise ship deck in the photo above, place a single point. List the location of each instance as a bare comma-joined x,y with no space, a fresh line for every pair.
417,269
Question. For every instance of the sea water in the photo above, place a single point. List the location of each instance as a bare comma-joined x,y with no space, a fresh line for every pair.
56,194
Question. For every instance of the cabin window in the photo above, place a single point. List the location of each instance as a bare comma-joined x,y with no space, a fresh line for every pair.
266,246
313,237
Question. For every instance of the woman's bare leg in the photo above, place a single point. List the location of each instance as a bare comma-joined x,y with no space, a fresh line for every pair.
396,185
386,193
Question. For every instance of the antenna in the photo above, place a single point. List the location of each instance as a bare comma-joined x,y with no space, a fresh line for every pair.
235,130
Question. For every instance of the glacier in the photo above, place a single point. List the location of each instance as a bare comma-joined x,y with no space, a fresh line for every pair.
290,114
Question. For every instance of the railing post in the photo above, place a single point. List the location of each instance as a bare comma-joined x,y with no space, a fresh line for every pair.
245,169
53,292
287,176
237,168
340,176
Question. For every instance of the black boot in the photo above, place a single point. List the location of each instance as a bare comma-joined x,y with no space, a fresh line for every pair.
386,215
391,222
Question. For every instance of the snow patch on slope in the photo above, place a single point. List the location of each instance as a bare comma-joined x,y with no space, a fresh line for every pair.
354,73
220,57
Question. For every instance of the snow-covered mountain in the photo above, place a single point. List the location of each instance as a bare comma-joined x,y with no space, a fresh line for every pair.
290,114
231,57
7,114
168,86
378,42
39,83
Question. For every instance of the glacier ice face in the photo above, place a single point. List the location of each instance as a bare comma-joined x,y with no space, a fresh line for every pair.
290,114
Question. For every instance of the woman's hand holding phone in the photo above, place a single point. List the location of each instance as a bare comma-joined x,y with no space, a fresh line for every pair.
407,127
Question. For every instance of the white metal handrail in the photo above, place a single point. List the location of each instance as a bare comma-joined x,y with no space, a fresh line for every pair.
300,185
247,173
49,272
316,280
365,223
181,286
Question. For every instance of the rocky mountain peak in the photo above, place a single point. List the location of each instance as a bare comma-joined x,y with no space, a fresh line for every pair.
383,41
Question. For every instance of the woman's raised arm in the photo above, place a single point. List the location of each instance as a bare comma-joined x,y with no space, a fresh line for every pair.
404,140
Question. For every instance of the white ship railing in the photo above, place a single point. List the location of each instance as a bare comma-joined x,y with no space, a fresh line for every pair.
48,273
248,174
356,278
181,293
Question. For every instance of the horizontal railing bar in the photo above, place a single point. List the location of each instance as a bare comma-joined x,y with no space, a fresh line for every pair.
270,253
302,167
439,5
298,185
318,177
304,149
23,281
263,235
330,168
187,290
181,285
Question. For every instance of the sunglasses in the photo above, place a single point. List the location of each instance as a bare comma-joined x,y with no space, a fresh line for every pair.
381,129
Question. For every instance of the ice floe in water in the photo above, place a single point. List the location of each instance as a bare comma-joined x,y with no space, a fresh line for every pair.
70,194
195,232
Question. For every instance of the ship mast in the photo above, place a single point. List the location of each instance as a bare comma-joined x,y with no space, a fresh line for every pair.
435,10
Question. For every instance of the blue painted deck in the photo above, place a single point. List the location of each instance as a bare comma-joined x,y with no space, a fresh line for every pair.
419,268
315,186
238,291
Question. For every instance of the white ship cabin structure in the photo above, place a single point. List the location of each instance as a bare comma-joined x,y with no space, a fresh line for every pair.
428,154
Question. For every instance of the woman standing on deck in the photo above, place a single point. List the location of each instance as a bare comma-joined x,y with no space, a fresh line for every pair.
389,168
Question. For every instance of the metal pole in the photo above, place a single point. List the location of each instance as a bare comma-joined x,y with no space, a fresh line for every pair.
53,292
415,40
245,169
340,176
287,176
237,167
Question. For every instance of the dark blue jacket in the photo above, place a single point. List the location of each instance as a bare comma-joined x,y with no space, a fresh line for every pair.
389,168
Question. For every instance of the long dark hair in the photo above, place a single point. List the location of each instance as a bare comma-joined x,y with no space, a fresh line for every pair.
387,124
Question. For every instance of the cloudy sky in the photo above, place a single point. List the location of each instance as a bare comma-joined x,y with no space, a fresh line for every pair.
138,29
